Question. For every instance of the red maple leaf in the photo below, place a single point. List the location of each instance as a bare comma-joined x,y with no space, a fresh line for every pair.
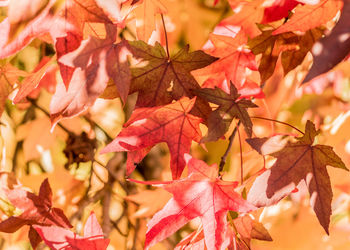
226,44
60,238
171,123
201,194
37,209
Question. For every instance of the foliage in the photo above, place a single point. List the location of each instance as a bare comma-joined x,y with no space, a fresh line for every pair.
127,114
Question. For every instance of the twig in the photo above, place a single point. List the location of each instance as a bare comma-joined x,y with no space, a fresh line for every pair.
115,225
166,37
33,102
114,163
241,155
106,204
89,120
268,119
136,230
223,158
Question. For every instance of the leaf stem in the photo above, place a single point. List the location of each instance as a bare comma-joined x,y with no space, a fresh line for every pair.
223,158
166,37
287,124
33,102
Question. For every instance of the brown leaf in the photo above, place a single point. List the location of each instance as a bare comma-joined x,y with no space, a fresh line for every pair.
297,161
292,58
251,229
165,79
230,107
293,49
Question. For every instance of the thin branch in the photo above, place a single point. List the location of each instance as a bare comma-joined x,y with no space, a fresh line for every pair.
136,230
33,102
106,205
126,28
89,120
241,155
115,225
166,37
95,172
268,119
223,158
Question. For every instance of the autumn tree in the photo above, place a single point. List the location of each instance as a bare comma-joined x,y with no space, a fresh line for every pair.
189,124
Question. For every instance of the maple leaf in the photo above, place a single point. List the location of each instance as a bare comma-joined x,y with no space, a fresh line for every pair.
333,48
293,48
145,17
201,194
233,58
8,77
74,15
85,87
165,79
296,161
249,229
59,238
292,58
171,124
229,108
37,210
114,55
308,16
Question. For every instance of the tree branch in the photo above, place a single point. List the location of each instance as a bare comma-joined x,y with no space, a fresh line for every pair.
223,158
